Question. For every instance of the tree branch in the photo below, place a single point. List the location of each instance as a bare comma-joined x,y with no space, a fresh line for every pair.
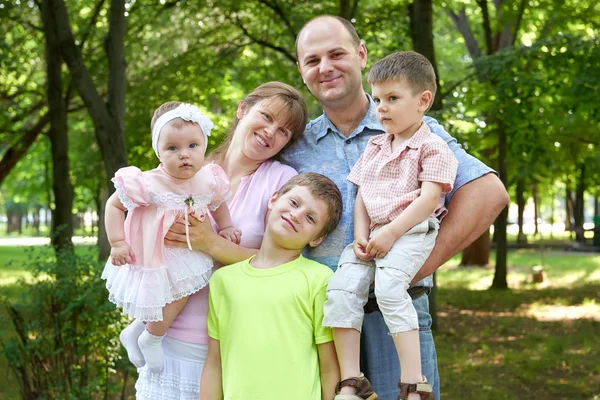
462,24
486,26
279,11
15,152
264,43
509,33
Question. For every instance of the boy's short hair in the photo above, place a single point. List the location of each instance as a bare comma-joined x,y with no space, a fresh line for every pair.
324,189
408,65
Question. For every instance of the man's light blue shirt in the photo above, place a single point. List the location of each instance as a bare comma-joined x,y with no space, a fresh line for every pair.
324,149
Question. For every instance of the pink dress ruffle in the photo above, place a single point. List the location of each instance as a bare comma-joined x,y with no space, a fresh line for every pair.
161,275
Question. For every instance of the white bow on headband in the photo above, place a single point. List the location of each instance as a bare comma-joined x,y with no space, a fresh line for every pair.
187,112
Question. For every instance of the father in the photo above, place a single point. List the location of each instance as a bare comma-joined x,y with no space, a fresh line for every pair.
330,58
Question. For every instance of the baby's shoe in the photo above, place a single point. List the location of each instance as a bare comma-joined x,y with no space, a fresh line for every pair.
364,390
151,347
423,389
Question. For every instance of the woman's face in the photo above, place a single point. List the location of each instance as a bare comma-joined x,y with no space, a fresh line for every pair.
261,132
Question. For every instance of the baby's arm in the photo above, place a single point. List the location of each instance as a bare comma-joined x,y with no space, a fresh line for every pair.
330,370
223,219
362,225
416,212
114,220
212,376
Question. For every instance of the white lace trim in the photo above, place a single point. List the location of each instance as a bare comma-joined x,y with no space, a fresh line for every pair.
174,201
179,380
142,292
125,200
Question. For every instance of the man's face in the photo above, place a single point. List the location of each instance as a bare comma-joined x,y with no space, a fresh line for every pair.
330,63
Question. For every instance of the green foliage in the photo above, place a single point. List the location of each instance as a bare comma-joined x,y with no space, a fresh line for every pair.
62,339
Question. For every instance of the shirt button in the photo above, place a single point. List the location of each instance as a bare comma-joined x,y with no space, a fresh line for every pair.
348,141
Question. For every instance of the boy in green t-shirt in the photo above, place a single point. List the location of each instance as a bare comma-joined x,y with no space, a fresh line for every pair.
267,340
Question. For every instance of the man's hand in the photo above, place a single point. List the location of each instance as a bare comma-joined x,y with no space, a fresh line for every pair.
232,234
380,243
360,248
121,254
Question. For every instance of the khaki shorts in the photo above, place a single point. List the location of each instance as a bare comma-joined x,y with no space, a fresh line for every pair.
348,288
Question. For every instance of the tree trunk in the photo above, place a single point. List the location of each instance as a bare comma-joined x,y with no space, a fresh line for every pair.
62,223
478,252
500,281
578,214
521,238
421,33
552,210
534,194
348,8
597,201
108,117
569,225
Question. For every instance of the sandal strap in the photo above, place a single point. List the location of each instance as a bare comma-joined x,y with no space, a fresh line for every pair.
424,390
354,382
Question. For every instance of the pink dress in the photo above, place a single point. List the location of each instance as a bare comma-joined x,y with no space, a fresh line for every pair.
159,274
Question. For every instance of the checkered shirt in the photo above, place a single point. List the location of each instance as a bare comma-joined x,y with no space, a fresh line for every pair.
389,182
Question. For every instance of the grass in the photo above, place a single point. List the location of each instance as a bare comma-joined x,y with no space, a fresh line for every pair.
534,341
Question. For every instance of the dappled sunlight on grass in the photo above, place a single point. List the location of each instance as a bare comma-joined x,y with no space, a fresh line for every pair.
589,309
566,269
534,341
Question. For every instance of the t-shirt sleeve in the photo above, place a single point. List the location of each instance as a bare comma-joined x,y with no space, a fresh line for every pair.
130,187
438,164
469,168
323,334
222,191
213,304
285,173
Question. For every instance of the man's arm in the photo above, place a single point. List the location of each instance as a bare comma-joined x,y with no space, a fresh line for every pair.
473,209
330,369
211,386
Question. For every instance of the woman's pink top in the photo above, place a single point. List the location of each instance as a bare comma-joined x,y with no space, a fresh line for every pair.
248,209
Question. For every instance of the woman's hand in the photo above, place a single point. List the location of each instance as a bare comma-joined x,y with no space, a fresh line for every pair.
201,234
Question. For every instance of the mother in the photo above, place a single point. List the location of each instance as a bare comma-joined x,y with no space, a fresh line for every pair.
269,119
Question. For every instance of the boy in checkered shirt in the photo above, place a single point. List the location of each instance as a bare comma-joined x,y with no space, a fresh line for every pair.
402,177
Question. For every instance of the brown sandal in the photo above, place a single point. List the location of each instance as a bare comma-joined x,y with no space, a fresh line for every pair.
424,390
364,390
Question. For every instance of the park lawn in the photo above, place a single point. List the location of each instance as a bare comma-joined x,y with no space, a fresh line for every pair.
534,341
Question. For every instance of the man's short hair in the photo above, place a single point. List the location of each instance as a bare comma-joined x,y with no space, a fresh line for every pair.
413,67
324,189
347,25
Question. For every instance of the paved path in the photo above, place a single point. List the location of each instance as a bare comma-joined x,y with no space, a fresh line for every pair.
42,241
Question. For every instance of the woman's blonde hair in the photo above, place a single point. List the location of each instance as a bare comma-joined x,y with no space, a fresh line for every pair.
292,101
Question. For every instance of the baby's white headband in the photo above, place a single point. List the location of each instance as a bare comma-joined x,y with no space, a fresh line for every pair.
186,112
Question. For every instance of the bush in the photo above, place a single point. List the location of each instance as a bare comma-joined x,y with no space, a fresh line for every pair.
63,336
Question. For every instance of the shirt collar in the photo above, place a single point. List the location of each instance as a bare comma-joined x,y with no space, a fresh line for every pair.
414,142
370,121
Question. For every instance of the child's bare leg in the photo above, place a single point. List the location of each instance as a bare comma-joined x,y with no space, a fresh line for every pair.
150,341
409,354
347,346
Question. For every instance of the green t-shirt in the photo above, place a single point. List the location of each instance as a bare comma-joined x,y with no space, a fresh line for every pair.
269,323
